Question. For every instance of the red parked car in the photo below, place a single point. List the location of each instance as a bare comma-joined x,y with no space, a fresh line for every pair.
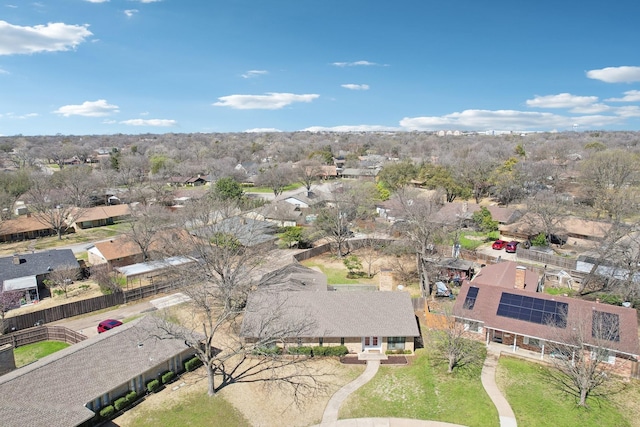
511,246
108,324
499,244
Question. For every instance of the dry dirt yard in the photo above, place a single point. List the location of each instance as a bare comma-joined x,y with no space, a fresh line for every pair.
263,405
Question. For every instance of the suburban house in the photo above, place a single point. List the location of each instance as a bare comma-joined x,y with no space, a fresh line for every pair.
26,272
307,199
250,233
462,213
281,213
69,387
189,181
361,174
366,322
24,227
502,305
100,216
572,230
122,251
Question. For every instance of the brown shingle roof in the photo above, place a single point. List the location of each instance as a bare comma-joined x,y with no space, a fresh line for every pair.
104,212
503,275
486,307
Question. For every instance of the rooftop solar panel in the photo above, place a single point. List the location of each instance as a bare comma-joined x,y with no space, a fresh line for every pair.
470,300
535,310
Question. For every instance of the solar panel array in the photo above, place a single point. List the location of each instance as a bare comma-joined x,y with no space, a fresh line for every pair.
535,310
470,300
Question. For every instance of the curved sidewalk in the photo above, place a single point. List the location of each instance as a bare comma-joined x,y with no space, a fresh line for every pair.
488,378
333,407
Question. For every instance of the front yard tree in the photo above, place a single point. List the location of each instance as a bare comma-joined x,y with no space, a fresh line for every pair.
308,171
144,227
276,177
218,284
227,188
453,344
581,353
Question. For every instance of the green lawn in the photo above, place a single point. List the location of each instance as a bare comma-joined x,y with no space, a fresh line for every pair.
537,402
337,275
197,409
31,352
424,391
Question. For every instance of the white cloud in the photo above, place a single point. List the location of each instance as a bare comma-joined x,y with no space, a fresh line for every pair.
150,122
629,96
591,109
19,117
130,12
628,111
354,64
561,100
3,71
352,86
270,101
254,73
482,120
623,74
262,130
99,108
52,37
96,1
148,1
352,128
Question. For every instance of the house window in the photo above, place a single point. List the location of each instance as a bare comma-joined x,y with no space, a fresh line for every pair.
342,341
395,343
472,326
533,342
320,341
374,341
604,356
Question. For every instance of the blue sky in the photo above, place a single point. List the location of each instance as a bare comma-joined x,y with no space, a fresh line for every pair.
137,66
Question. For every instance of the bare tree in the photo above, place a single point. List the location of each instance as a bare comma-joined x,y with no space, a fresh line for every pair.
546,213
52,205
308,172
218,284
580,351
418,227
145,224
452,342
62,278
276,177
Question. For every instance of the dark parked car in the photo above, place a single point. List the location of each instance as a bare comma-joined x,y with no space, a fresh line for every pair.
511,247
498,244
108,324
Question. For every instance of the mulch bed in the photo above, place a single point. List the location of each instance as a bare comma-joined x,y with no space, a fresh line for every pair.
392,360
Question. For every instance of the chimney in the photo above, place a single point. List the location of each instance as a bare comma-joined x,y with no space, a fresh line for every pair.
521,272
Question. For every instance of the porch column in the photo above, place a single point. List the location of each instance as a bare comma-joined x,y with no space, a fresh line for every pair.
515,342
542,354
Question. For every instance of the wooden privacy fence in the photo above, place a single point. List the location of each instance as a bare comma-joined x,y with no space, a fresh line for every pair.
547,259
63,311
41,333
88,305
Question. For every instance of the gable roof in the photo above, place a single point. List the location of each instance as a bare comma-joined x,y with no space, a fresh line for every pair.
103,212
35,264
488,298
123,246
452,212
54,390
23,224
332,314
293,277
503,274
530,224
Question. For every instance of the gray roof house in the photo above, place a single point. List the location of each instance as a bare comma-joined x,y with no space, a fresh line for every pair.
24,272
67,388
363,321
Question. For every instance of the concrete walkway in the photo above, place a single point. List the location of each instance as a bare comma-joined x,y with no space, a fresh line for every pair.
488,378
333,407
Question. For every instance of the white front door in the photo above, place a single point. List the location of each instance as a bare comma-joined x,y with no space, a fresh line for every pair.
371,343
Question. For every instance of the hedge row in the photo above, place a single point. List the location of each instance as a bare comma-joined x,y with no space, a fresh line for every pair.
339,350
119,404
192,364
